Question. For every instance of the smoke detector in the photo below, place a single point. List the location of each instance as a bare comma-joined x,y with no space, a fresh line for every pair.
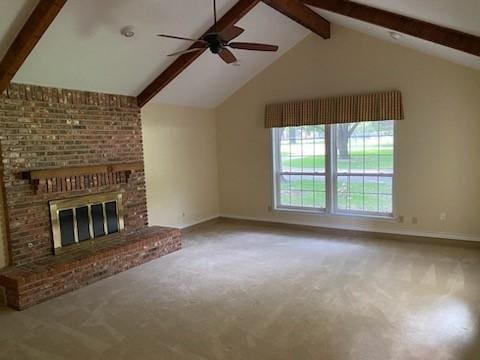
128,31
394,35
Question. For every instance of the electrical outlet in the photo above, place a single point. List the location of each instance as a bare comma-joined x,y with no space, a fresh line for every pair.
3,296
269,208
183,214
400,218
443,216
414,220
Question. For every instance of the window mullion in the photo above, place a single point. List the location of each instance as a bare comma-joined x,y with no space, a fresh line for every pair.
330,168
276,166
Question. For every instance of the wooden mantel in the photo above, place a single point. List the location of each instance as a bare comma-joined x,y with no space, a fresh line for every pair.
81,177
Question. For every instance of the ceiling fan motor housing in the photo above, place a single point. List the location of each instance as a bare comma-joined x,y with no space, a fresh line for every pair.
215,43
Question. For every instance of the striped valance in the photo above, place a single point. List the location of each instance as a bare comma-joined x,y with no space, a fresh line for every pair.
343,109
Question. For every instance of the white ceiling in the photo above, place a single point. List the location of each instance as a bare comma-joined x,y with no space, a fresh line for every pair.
83,48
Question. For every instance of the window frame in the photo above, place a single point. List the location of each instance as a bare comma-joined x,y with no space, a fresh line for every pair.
331,203
277,173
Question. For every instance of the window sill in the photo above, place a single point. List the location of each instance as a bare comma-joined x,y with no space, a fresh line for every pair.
325,213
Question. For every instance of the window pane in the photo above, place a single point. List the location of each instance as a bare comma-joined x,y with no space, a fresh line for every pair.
385,185
307,199
285,156
371,203
285,198
386,163
385,203
342,184
363,152
285,182
307,182
296,197
319,183
356,201
320,200
301,158
296,182
302,149
356,184
371,184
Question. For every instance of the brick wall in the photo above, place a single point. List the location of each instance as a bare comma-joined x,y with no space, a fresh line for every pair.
3,237
44,128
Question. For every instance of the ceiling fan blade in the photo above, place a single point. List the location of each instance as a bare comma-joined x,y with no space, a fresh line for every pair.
180,38
227,56
186,51
231,33
253,46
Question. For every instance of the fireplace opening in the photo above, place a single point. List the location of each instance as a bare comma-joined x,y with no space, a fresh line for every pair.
85,218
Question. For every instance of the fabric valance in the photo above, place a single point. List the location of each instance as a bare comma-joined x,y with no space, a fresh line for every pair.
334,110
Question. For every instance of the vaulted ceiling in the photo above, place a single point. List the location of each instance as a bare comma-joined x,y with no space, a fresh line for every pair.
83,48
461,15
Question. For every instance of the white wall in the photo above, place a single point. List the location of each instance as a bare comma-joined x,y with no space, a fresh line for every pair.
180,164
437,145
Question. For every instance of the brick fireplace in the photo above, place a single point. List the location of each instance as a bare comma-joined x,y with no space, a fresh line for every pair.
59,145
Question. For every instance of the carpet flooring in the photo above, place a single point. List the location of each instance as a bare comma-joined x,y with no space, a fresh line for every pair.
243,291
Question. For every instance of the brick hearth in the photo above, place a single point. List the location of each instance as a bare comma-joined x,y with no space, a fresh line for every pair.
27,285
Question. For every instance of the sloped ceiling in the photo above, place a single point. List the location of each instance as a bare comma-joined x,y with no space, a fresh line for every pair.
83,48
461,15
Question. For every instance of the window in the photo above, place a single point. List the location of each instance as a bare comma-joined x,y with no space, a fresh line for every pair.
301,164
342,168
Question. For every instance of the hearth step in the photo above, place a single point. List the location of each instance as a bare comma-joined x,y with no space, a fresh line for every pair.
30,284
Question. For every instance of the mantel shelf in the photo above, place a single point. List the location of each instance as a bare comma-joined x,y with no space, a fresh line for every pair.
71,178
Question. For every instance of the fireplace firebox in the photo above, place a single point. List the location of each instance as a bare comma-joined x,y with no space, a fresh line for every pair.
84,218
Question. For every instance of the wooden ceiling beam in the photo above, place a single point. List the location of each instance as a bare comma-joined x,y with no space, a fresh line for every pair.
303,15
30,34
239,10
454,39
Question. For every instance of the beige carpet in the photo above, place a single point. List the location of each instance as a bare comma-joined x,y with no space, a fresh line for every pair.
254,292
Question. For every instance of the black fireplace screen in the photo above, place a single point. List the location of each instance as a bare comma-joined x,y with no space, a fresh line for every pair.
80,219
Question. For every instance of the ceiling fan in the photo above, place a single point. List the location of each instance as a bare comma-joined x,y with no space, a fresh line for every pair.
219,42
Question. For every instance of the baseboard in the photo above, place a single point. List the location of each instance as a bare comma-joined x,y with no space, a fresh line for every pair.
208,221
358,231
